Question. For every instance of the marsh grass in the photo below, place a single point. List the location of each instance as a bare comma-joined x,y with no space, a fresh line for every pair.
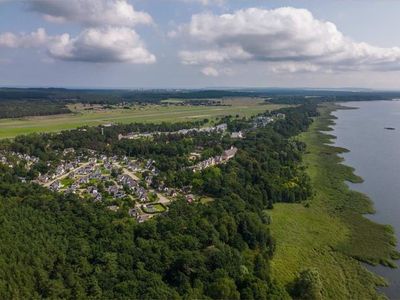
330,232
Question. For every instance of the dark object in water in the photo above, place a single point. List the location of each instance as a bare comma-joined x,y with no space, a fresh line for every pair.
390,128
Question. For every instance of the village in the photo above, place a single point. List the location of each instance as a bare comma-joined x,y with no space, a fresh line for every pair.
116,182
221,128
125,182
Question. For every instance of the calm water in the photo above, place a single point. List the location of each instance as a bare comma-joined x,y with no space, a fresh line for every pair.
375,154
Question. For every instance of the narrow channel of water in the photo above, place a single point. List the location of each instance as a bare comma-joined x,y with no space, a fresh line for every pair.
375,155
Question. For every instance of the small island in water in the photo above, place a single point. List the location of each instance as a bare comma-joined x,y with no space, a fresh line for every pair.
390,128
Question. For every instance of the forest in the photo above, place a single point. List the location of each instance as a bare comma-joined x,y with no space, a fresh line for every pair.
22,108
18,102
60,247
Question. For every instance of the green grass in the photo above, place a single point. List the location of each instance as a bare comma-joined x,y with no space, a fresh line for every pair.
157,208
10,128
205,200
330,234
172,101
67,182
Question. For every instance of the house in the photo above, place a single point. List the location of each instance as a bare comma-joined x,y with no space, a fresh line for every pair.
173,193
43,178
60,170
149,163
68,151
262,121
56,185
230,153
133,167
119,195
183,131
83,180
189,198
218,159
237,135
143,218
113,208
113,190
71,190
133,212
95,175
221,127
280,116
98,198
149,180
127,180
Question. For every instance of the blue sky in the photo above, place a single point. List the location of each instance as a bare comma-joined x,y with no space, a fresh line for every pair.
199,43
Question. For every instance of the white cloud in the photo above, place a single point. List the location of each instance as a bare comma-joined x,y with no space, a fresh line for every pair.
23,40
108,34
210,71
284,39
206,2
91,12
102,45
233,53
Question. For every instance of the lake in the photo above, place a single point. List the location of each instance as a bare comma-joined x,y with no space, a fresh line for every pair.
375,155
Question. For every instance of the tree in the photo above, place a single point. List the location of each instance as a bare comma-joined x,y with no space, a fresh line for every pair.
224,288
308,285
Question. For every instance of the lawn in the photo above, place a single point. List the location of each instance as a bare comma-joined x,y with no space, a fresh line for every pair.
330,233
67,182
10,128
154,208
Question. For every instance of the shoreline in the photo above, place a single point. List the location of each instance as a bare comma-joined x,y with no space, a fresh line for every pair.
331,233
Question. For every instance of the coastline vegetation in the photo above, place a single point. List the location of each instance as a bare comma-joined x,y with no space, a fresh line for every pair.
329,233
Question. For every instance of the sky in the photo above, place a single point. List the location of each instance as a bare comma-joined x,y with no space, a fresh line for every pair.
200,43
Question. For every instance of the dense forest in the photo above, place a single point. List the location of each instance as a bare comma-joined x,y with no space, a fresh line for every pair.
22,108
58,246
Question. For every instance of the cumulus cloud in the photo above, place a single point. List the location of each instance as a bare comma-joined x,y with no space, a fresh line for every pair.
229,53
210,71
102,45
108,35
23,40
285,39
91,12
206,2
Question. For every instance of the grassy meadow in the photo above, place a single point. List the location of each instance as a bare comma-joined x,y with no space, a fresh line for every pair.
93,116
330,233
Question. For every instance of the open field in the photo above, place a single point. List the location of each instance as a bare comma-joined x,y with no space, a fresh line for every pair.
10,128
330,233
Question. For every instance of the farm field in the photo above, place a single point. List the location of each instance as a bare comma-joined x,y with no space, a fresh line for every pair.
82,116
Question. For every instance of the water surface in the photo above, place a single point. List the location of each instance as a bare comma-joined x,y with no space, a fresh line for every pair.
375,155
